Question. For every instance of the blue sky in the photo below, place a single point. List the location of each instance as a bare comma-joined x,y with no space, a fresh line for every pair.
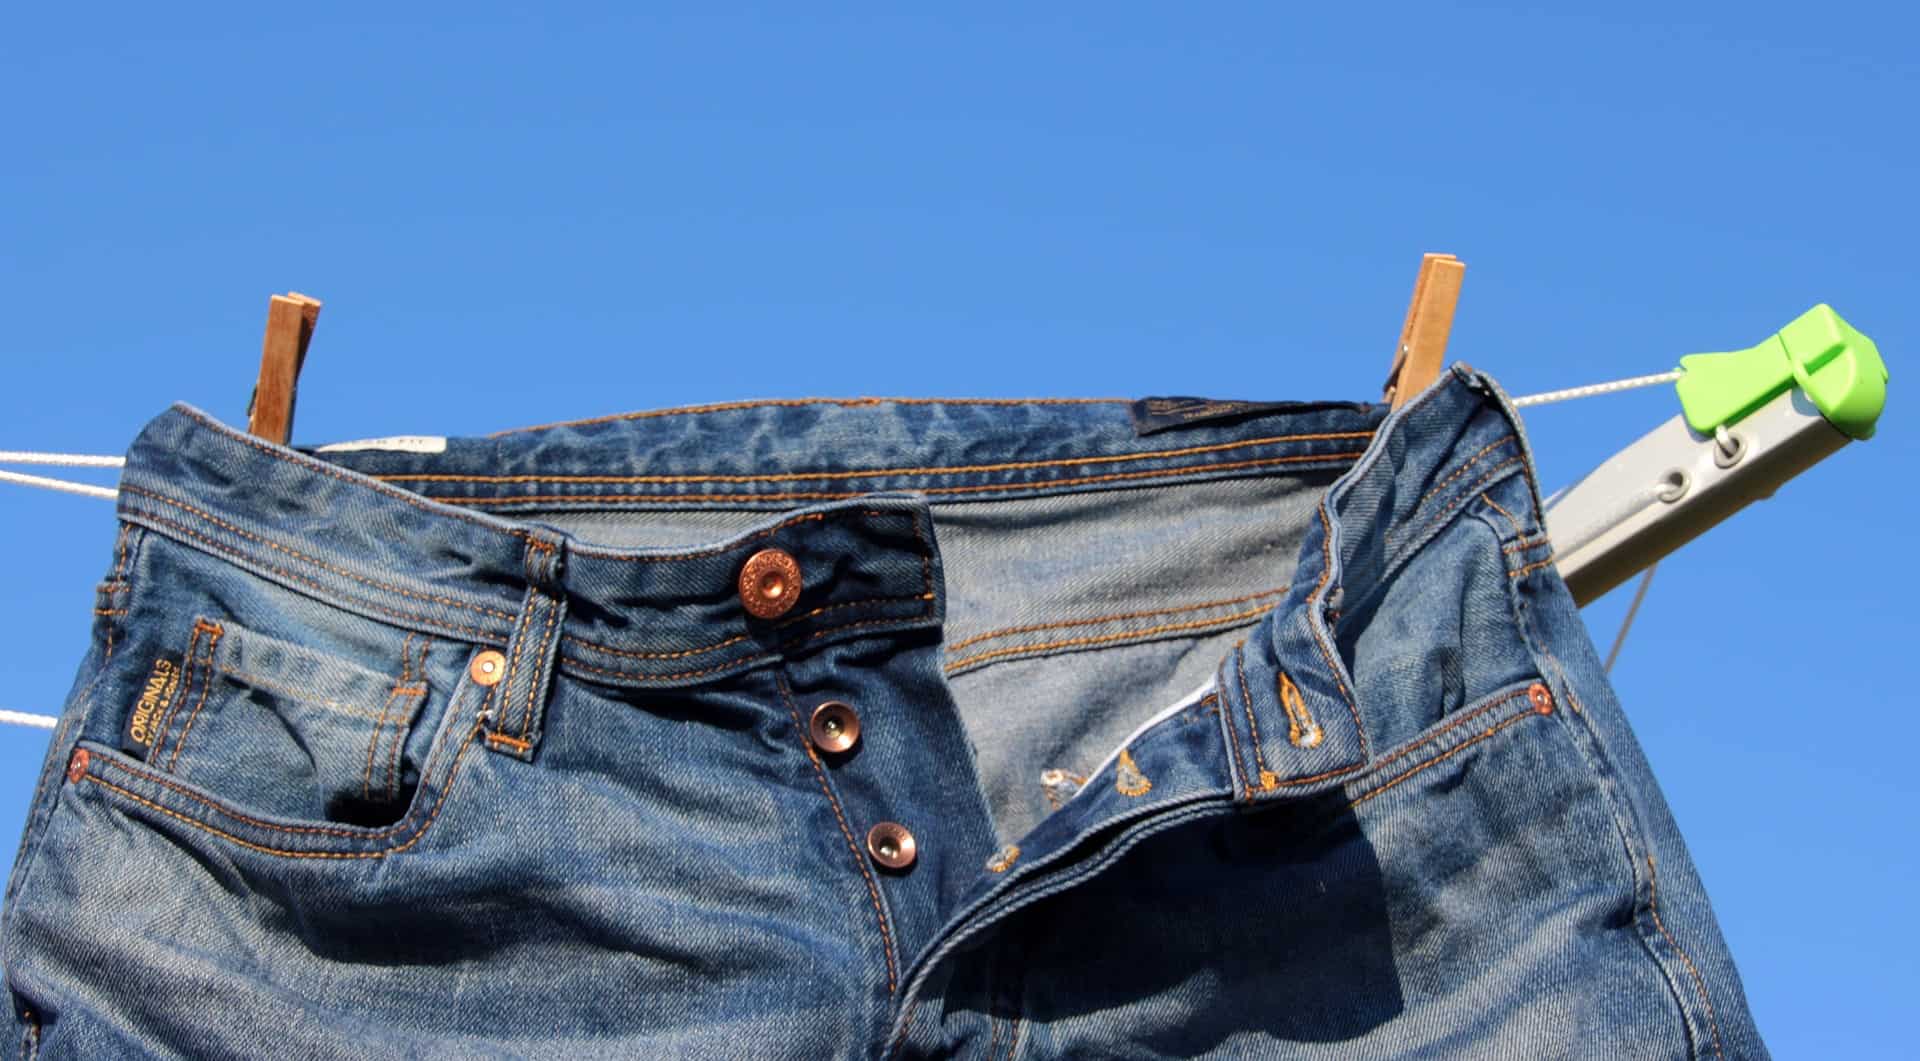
518,217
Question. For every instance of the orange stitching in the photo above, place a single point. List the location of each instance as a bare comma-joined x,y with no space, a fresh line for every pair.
820,774
853,626
1535,566
1451,726
654,655
1462,469
847,604
373,745
716,550
823,495
257,823
1233,733
1518,531
694,410
517,642
539,672
206,684
316,562
863,473
30,1040
512,742
185,690
1523,544
399,735
220,546
1102,638
1298,715
109,611
1004,631
1653,907
1267,777
414,839
1326,571
1444,756
307,698
1465,495
120,547
353,478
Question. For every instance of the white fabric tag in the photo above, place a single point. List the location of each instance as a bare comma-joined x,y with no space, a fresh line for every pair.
396,443
1162,715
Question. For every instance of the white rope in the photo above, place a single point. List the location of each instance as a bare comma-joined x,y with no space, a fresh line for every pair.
73,460
1599,388
27,718
87,489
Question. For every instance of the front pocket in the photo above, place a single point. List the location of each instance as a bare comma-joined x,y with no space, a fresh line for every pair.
231,807
283,729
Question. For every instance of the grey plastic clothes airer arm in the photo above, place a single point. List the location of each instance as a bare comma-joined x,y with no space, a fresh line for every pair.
1673,484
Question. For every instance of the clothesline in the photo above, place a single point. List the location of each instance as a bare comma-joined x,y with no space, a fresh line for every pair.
88,460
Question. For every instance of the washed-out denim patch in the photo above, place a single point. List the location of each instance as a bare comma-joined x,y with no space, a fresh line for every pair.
1185,729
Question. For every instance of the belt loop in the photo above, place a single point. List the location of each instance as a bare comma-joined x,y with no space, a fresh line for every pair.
515,720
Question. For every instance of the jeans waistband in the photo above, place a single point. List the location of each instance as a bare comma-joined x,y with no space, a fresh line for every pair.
447,541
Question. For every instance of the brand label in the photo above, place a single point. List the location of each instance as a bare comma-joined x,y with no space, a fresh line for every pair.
1164,414
396,443
162,682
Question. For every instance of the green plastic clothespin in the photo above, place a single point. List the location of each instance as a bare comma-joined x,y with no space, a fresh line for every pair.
1839,369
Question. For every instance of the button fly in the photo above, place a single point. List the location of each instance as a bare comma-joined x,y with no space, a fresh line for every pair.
770,583
891,845
834,727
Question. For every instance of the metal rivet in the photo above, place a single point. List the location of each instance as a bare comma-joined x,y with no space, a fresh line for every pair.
770,583
77,766
488,668
834,727
891,845
1541,698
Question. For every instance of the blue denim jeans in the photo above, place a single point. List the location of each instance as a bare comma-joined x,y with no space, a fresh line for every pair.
857,729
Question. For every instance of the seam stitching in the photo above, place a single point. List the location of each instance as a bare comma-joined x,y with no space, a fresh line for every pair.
271,544
1097,619
326,591
1444,756
1265,775
1160,628
863,473
1653,907
827,495
716,407
820,775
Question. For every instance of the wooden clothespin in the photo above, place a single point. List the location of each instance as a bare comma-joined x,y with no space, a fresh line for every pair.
1423,338
290,321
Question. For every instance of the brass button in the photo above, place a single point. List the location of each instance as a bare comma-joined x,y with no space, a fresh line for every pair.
488,668
891,845
77,766
834,727
770,583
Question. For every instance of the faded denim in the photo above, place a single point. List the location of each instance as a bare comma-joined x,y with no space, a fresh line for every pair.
1264,731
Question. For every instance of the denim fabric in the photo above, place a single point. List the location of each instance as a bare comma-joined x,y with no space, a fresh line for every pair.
1262,732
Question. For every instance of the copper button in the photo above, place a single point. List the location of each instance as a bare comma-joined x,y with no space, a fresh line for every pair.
770,583
488,668
834,727
1541,698
891,845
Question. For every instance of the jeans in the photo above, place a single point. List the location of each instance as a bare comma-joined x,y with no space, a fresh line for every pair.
857,729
